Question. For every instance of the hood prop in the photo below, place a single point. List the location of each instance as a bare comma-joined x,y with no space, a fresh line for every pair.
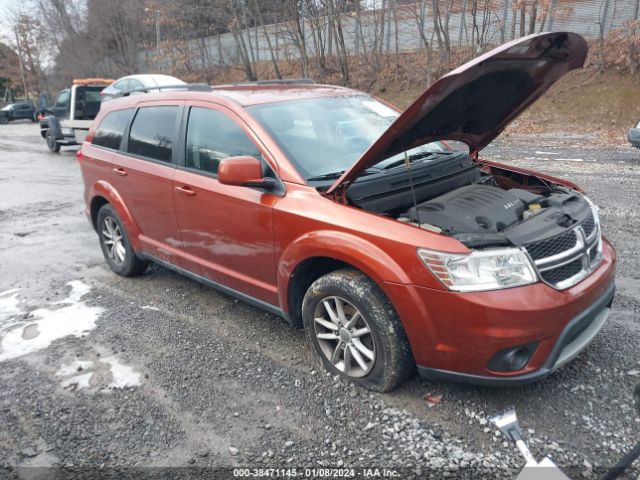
411,187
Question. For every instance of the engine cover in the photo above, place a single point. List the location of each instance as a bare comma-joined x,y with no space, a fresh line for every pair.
471,209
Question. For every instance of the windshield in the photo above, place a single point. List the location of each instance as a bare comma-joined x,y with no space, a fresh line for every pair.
7,107
325,136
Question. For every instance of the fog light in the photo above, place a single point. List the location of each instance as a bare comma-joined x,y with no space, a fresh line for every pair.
516,359
512,359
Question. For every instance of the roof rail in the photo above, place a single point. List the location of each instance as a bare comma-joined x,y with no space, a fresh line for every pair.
283,81
198,87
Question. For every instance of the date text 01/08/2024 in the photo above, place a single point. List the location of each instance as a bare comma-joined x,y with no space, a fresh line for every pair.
315,473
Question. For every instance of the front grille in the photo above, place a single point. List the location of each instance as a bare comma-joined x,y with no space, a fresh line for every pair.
588,225
564,260
565,272
552,246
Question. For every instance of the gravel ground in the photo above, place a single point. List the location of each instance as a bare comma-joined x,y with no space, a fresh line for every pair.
161,374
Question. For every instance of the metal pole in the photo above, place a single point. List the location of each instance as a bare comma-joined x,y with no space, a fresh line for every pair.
158,38
505,14
552,10
603,20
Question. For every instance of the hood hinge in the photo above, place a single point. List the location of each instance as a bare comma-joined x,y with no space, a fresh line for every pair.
338,195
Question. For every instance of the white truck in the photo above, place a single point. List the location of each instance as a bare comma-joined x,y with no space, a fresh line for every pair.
68,120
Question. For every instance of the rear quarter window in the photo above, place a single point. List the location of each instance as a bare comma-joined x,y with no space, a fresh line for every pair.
111,130
152,132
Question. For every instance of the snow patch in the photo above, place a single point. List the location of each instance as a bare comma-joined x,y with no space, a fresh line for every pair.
123,375
75,318
149,307
78,290
78,382
74,367
94,374
9,304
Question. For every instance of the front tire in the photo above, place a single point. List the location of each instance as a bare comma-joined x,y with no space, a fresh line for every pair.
115,245
52,144
355,330
4,120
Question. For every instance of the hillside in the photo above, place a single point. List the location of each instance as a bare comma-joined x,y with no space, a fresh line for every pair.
587,101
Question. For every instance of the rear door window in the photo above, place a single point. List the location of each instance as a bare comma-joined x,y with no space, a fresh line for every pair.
153,132
134,84
111,129
122,85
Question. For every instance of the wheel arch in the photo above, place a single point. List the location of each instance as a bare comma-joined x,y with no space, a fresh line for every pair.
103,193
318,253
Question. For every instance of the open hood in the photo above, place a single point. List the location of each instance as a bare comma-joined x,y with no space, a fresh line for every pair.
477,100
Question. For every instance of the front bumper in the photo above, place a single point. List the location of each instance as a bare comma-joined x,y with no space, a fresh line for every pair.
455,335
634,137
578,333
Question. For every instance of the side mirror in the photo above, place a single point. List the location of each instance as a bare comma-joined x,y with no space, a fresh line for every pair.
243,171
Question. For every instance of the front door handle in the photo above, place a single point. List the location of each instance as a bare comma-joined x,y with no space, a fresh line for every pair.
120,171
186,191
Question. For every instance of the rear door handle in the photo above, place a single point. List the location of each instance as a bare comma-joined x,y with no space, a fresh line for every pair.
120,171
186,191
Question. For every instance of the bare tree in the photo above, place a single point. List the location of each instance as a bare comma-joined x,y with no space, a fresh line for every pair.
267,35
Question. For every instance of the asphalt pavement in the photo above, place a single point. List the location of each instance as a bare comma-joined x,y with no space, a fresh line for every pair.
162,374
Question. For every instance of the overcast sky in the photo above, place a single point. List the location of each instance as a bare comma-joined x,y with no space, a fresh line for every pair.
6,7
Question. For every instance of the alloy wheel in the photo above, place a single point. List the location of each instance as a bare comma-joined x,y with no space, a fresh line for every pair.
344,336
113,241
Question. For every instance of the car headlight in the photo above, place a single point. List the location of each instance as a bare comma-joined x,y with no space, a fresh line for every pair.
481,269
67,131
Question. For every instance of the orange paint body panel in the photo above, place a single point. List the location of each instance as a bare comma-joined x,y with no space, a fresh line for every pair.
250,241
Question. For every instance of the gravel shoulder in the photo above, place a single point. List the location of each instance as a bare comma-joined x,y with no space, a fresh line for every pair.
159,371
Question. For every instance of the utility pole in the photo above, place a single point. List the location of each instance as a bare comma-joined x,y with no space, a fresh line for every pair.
158,37
505,13
148,10
24,78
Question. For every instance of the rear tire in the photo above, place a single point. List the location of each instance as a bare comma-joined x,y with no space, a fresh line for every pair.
52,144
355,330
115,244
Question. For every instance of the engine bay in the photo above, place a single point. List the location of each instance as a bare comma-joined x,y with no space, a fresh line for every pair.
480,207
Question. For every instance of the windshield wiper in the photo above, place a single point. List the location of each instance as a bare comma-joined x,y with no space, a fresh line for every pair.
415,156
326,176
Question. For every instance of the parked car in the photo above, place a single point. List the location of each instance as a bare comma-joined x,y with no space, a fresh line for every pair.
330,208
17,111
68,121
634,136
138,83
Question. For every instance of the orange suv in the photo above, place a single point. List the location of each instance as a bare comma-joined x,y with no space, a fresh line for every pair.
393,246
